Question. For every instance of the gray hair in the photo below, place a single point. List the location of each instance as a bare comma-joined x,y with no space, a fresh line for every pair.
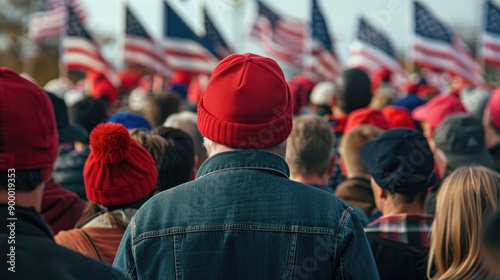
211,146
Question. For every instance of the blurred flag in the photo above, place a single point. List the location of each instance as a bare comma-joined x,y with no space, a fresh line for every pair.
49,22
489,48
184,50
140,48
373,52
221,47
324,64
81,52
438,48
281,37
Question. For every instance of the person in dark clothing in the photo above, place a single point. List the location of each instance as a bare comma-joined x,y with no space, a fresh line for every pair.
401,165
28,151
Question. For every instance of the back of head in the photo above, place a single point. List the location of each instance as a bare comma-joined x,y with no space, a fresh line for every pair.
28,132
351,144
178,160
353,90
491,243
382,97
309,147
188,122
159,107
247,103
466,197
461,138
88,113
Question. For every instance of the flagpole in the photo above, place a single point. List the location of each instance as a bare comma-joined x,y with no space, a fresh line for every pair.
63,69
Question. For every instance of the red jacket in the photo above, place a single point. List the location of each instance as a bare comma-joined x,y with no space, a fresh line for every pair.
61,208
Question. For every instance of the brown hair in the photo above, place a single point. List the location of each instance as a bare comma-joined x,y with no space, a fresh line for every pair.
351,145
309,146
466,198
154,144
382,97
159,107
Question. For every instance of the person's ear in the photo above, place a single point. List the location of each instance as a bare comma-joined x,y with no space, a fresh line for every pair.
384,194
332,102
46,173
331,166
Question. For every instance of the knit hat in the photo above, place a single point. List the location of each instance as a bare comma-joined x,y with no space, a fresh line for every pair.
118,170
247,103
366,116
28,131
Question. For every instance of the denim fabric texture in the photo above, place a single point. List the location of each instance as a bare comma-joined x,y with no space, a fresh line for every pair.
242,218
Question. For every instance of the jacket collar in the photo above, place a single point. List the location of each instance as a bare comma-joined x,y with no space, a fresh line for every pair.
29,222
244,159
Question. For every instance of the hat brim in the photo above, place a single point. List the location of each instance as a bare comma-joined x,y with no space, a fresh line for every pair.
482,158
72,133
420,114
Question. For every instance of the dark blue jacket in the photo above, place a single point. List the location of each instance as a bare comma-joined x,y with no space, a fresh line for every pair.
242,218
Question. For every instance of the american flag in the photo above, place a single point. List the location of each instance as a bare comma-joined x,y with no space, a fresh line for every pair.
184,49
142,49
50,21
221,47
438,48
81,52
324,62
281,37
373,52
490,36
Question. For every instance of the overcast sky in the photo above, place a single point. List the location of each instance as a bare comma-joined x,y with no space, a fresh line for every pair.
235,19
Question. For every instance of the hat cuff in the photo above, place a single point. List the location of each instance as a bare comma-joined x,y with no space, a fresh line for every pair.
245,136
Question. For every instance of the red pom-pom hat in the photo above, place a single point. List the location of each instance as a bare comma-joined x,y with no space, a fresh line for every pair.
118,169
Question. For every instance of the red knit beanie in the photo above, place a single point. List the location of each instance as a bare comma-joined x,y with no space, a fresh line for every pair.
118,169
247,103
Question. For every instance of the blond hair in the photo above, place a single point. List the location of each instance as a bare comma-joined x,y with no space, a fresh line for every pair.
310,144
466,198
351,144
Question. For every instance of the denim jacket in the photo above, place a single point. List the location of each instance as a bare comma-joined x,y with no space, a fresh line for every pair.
242,218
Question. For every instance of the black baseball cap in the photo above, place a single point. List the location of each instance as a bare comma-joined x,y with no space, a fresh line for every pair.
461,138
400,161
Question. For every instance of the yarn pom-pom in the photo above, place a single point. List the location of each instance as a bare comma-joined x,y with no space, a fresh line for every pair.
110,142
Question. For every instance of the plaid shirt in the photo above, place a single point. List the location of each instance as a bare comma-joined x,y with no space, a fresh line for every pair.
412,229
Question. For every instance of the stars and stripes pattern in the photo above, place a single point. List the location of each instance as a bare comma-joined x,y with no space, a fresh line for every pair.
81,52
438,48
184,49
50,22
325,63
221,46
142,49
372,51
489,49
282,38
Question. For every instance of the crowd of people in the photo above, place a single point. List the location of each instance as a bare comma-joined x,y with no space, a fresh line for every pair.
253,177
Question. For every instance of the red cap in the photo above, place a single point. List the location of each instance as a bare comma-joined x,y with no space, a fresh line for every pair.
366,116
28,131
101,86
494,107
437,109
118,169
398,117
300,88
247,103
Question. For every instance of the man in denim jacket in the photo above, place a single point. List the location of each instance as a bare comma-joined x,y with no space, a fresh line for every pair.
242,218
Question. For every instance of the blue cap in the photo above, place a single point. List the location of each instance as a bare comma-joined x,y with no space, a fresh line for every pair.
130,121
400,161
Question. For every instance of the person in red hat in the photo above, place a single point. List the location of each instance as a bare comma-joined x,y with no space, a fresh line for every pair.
119,177
242,217
28,150
491,123
366,116
398,117
431,114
